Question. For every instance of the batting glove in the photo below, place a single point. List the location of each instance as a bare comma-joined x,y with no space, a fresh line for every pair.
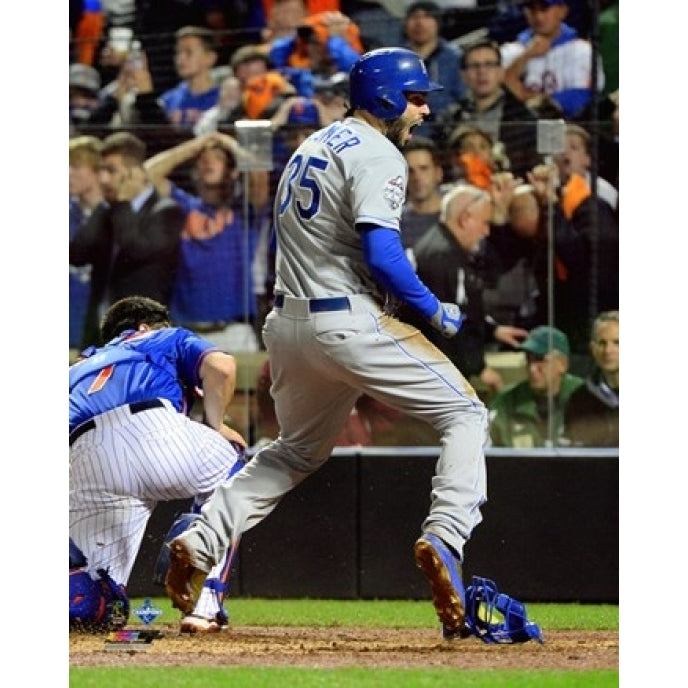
447,319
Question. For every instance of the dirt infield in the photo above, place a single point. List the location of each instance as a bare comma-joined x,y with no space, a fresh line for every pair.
348,646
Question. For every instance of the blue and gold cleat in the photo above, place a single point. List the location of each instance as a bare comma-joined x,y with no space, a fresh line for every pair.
443,571
183,582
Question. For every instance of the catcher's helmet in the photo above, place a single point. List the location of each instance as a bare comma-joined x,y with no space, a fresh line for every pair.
380,78
87,603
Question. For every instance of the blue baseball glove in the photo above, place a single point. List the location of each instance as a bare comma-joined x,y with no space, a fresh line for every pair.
495,617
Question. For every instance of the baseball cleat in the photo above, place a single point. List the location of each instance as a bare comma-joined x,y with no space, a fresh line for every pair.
184,581
443,572
194,623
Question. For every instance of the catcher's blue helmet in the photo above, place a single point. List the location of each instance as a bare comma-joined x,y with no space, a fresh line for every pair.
96,605
380,78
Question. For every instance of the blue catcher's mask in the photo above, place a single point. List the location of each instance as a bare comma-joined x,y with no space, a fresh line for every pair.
495,617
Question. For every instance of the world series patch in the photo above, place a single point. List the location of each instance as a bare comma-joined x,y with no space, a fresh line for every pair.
394,192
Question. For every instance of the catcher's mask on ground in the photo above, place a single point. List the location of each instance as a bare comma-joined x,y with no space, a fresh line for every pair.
495,617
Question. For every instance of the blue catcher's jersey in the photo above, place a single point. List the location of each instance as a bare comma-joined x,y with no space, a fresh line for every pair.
137,366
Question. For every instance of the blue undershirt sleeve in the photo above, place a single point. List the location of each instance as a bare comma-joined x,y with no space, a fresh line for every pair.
390,267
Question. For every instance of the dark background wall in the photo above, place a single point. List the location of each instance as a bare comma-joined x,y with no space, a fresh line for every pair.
550,529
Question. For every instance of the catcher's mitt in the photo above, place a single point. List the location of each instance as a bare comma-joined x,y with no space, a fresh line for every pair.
495,617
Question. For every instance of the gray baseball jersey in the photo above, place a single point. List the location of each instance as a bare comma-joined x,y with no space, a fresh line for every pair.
329,340
344,174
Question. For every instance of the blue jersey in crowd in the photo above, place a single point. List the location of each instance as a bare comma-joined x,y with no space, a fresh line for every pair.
185,108
213,281
137,366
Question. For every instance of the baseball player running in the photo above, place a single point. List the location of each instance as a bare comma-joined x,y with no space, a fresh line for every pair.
329,337
132,445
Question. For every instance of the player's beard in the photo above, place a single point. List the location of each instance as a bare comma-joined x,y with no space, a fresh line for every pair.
395,131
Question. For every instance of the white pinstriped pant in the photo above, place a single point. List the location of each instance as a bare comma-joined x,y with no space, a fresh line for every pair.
121,469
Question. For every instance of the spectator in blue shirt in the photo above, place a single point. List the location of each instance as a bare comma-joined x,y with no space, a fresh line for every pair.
442,60
214,293
184,105
194,58
551,59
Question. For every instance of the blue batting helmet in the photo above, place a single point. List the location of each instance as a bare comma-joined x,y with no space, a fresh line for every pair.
379,80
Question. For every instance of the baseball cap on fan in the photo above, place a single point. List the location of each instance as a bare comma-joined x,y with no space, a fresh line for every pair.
328,86
303,113
538,341
84,77
425,6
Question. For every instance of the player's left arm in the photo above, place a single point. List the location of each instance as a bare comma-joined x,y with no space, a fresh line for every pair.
392,269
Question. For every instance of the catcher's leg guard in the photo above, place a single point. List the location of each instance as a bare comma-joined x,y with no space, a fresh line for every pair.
162,563
184,521
208,614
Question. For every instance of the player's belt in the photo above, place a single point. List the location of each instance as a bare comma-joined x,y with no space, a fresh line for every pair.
134,407
334,303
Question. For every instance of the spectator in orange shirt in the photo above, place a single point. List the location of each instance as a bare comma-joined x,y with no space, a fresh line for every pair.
324,44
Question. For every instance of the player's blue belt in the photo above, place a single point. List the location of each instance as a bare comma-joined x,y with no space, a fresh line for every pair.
333,303
134,407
